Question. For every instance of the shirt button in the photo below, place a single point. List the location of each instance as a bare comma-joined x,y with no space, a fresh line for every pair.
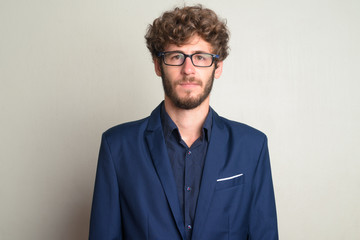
188,189
189,152
188,227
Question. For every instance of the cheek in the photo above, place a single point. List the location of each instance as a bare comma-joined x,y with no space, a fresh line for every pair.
172,74
206,76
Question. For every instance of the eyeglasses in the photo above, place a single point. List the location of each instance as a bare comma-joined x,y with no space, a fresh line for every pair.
197,59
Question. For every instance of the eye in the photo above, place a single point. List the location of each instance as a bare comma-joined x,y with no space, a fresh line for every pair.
176,56
200,57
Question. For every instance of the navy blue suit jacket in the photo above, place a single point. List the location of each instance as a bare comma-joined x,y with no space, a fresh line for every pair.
135,196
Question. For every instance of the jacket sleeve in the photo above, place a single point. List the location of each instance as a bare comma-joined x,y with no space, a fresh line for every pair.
263,220
105,220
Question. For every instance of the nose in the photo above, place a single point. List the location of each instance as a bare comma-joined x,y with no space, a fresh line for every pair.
188,68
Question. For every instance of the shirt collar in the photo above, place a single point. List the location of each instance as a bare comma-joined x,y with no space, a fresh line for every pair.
169,126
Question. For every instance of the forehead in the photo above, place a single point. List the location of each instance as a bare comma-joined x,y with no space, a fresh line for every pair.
194,44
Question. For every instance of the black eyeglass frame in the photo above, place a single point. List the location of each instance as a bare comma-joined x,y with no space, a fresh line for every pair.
162,55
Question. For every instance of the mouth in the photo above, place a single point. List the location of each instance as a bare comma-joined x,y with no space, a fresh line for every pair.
189,84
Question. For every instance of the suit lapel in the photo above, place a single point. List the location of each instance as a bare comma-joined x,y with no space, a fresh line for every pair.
216,149
155,140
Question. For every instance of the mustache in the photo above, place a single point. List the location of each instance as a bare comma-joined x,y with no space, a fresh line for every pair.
189,80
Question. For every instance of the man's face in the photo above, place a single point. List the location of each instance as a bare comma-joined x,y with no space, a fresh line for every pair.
187,86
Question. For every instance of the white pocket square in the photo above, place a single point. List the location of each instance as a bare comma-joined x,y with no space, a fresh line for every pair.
228,178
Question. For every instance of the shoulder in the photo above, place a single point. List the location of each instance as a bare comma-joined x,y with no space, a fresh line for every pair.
126,130
241,133
134,130
241,128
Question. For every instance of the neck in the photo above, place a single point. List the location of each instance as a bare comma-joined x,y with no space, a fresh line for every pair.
189,122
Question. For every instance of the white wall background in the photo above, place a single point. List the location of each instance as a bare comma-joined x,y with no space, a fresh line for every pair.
71,69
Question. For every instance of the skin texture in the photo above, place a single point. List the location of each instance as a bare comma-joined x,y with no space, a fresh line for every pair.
187,88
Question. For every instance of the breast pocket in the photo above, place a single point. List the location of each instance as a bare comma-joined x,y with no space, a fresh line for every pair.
229,182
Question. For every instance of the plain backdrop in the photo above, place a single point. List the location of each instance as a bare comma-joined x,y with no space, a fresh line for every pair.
70,69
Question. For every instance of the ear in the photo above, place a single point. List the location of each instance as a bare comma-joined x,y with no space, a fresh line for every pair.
157,66
218,70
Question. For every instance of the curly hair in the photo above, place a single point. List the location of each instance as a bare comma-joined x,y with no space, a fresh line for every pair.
179,25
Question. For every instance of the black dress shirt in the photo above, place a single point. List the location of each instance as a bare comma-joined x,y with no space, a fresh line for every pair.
187,164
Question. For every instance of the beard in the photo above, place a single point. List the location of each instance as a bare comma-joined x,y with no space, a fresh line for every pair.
188,102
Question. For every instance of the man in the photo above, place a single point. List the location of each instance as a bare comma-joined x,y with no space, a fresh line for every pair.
184,172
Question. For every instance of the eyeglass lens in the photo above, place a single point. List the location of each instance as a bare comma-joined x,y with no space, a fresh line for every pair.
198,59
